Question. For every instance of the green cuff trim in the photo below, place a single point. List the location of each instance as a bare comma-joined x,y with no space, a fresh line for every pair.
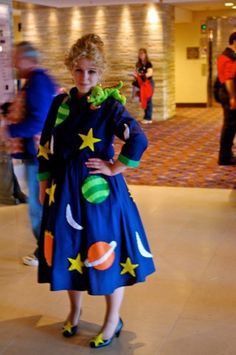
43,176
128,162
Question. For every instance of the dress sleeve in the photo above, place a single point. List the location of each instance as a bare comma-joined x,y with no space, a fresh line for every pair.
128,129
44,153
149,65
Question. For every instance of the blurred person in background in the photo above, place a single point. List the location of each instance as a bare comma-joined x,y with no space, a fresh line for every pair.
144,83
25,121
226,67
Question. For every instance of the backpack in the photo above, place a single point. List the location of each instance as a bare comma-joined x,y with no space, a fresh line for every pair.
220,92
216,90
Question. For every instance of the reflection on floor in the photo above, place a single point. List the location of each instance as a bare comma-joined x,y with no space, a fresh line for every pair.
188,307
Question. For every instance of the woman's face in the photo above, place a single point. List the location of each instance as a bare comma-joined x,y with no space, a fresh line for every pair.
142,56
85,75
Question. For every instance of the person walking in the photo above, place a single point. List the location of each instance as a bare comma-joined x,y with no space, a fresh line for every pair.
25,122
226,67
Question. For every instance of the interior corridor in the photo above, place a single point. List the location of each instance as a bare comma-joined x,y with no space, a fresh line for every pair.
188,307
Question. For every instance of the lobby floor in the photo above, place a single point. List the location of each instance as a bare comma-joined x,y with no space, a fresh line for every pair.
188,307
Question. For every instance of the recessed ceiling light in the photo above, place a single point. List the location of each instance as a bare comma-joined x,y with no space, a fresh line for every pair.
229,4
234,7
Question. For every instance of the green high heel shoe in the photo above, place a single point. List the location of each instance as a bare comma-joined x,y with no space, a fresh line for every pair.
98,341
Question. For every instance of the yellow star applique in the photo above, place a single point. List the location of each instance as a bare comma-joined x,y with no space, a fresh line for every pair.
76,264
128,267
51,191
88,140
67,327
44,151
97,340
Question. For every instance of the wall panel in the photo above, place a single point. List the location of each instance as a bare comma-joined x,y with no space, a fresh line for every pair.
7,89
124,29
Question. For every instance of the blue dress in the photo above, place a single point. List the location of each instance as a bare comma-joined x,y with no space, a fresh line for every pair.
92,237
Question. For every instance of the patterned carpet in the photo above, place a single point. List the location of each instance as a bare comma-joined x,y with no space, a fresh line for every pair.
183,152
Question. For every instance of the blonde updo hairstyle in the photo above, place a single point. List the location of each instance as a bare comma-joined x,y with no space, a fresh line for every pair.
89,46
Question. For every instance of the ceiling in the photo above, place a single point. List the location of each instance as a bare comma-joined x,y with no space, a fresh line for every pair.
193,5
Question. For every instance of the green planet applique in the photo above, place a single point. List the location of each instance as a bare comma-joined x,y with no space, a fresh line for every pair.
95,189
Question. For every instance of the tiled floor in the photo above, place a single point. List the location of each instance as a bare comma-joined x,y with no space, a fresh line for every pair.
188,307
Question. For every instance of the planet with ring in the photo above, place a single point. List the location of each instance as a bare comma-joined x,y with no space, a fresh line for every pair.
101,255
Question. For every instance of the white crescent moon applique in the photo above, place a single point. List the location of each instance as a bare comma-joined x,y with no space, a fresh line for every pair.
71,220
126,132
141,248
51,146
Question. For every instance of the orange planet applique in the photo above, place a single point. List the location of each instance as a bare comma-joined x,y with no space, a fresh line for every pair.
48,246
101,255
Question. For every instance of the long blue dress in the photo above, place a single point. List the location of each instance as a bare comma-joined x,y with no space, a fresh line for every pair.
92,237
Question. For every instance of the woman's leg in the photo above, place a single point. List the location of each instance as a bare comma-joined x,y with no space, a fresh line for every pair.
112,316
148,111
75,298
34,206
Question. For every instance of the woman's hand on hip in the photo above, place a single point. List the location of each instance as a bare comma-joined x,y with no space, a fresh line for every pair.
104,167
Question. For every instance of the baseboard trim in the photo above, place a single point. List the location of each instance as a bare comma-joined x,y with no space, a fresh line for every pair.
191,104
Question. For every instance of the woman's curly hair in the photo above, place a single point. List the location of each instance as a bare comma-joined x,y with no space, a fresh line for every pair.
89,46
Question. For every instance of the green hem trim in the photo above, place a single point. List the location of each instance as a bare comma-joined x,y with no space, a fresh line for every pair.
128,162
43,176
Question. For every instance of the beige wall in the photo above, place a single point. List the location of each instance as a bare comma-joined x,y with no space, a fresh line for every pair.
124,29
190,74
16,26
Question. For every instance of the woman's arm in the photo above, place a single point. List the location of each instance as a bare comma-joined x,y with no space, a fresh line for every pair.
44,153
129,131
105,167
42,190
149,73
230,86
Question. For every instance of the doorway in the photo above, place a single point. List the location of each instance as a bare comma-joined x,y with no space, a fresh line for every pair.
219,30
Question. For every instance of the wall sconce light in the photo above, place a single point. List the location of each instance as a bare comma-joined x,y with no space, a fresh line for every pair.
152,16
3,10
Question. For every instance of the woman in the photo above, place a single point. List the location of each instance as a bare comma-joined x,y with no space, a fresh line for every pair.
92,237
145,82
